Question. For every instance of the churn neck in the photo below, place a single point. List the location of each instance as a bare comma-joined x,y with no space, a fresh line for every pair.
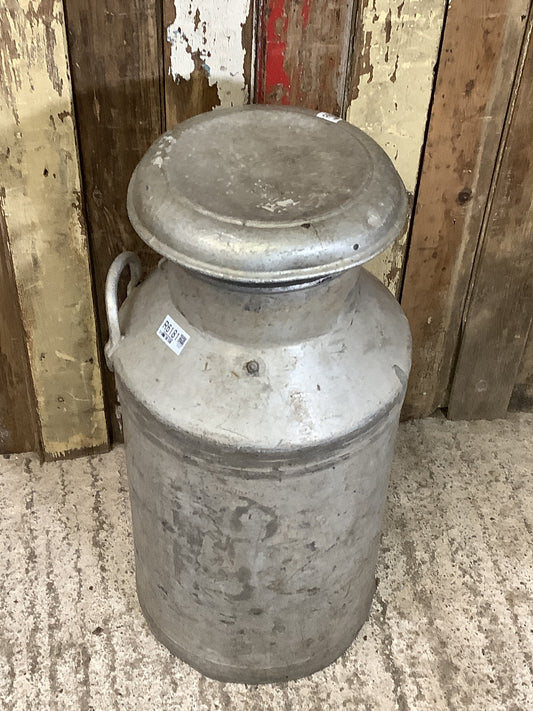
251,313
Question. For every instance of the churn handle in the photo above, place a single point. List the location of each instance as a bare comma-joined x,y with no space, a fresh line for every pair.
123,260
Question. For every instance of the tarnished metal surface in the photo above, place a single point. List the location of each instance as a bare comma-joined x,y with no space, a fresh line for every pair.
333,359
255,568
259,447
266,194
257,492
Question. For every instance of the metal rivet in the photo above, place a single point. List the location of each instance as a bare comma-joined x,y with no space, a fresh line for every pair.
252,367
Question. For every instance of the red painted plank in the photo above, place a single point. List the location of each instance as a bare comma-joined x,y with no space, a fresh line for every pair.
303,53
275,81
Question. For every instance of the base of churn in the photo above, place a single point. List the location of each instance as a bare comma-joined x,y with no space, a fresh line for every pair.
235,674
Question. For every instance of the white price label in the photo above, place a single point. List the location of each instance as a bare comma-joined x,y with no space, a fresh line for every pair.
173,335
328,117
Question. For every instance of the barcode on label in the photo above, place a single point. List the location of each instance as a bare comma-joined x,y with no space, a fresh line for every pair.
328,117
173,335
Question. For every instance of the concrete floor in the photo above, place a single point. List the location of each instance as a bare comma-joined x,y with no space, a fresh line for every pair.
451,623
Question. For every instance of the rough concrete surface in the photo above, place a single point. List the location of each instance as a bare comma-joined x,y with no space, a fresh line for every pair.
450,627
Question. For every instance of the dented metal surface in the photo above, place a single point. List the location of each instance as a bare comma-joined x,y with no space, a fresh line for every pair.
257,496
290,195
259,452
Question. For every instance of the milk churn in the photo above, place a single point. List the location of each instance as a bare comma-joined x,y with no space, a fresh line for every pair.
260,371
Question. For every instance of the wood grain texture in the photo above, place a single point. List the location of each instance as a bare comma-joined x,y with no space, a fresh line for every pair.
480,51
395,51
116,61
208,56
522,395
45,225
303,53
500,308
18,427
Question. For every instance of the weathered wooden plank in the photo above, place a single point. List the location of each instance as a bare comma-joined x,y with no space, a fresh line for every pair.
18,430
116,60
522,396
395,49
303,53
500,308
208,56
46,228
480,50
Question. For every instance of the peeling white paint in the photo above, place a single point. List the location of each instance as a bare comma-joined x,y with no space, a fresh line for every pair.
400,46
213,31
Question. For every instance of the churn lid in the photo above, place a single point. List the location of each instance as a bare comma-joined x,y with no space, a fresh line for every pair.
264,194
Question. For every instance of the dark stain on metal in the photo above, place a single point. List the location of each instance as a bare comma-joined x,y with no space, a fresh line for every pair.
243,576
252,367
401,374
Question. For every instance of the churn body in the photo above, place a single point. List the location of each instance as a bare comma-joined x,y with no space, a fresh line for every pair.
258,451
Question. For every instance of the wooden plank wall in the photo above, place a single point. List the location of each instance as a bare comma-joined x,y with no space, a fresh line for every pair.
140,69
522,396
44,230
479,57
395,52
208,56
303,53
18,426
115,54
370,62
136,72
500,305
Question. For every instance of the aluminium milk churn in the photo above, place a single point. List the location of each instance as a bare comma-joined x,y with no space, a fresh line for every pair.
261,371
